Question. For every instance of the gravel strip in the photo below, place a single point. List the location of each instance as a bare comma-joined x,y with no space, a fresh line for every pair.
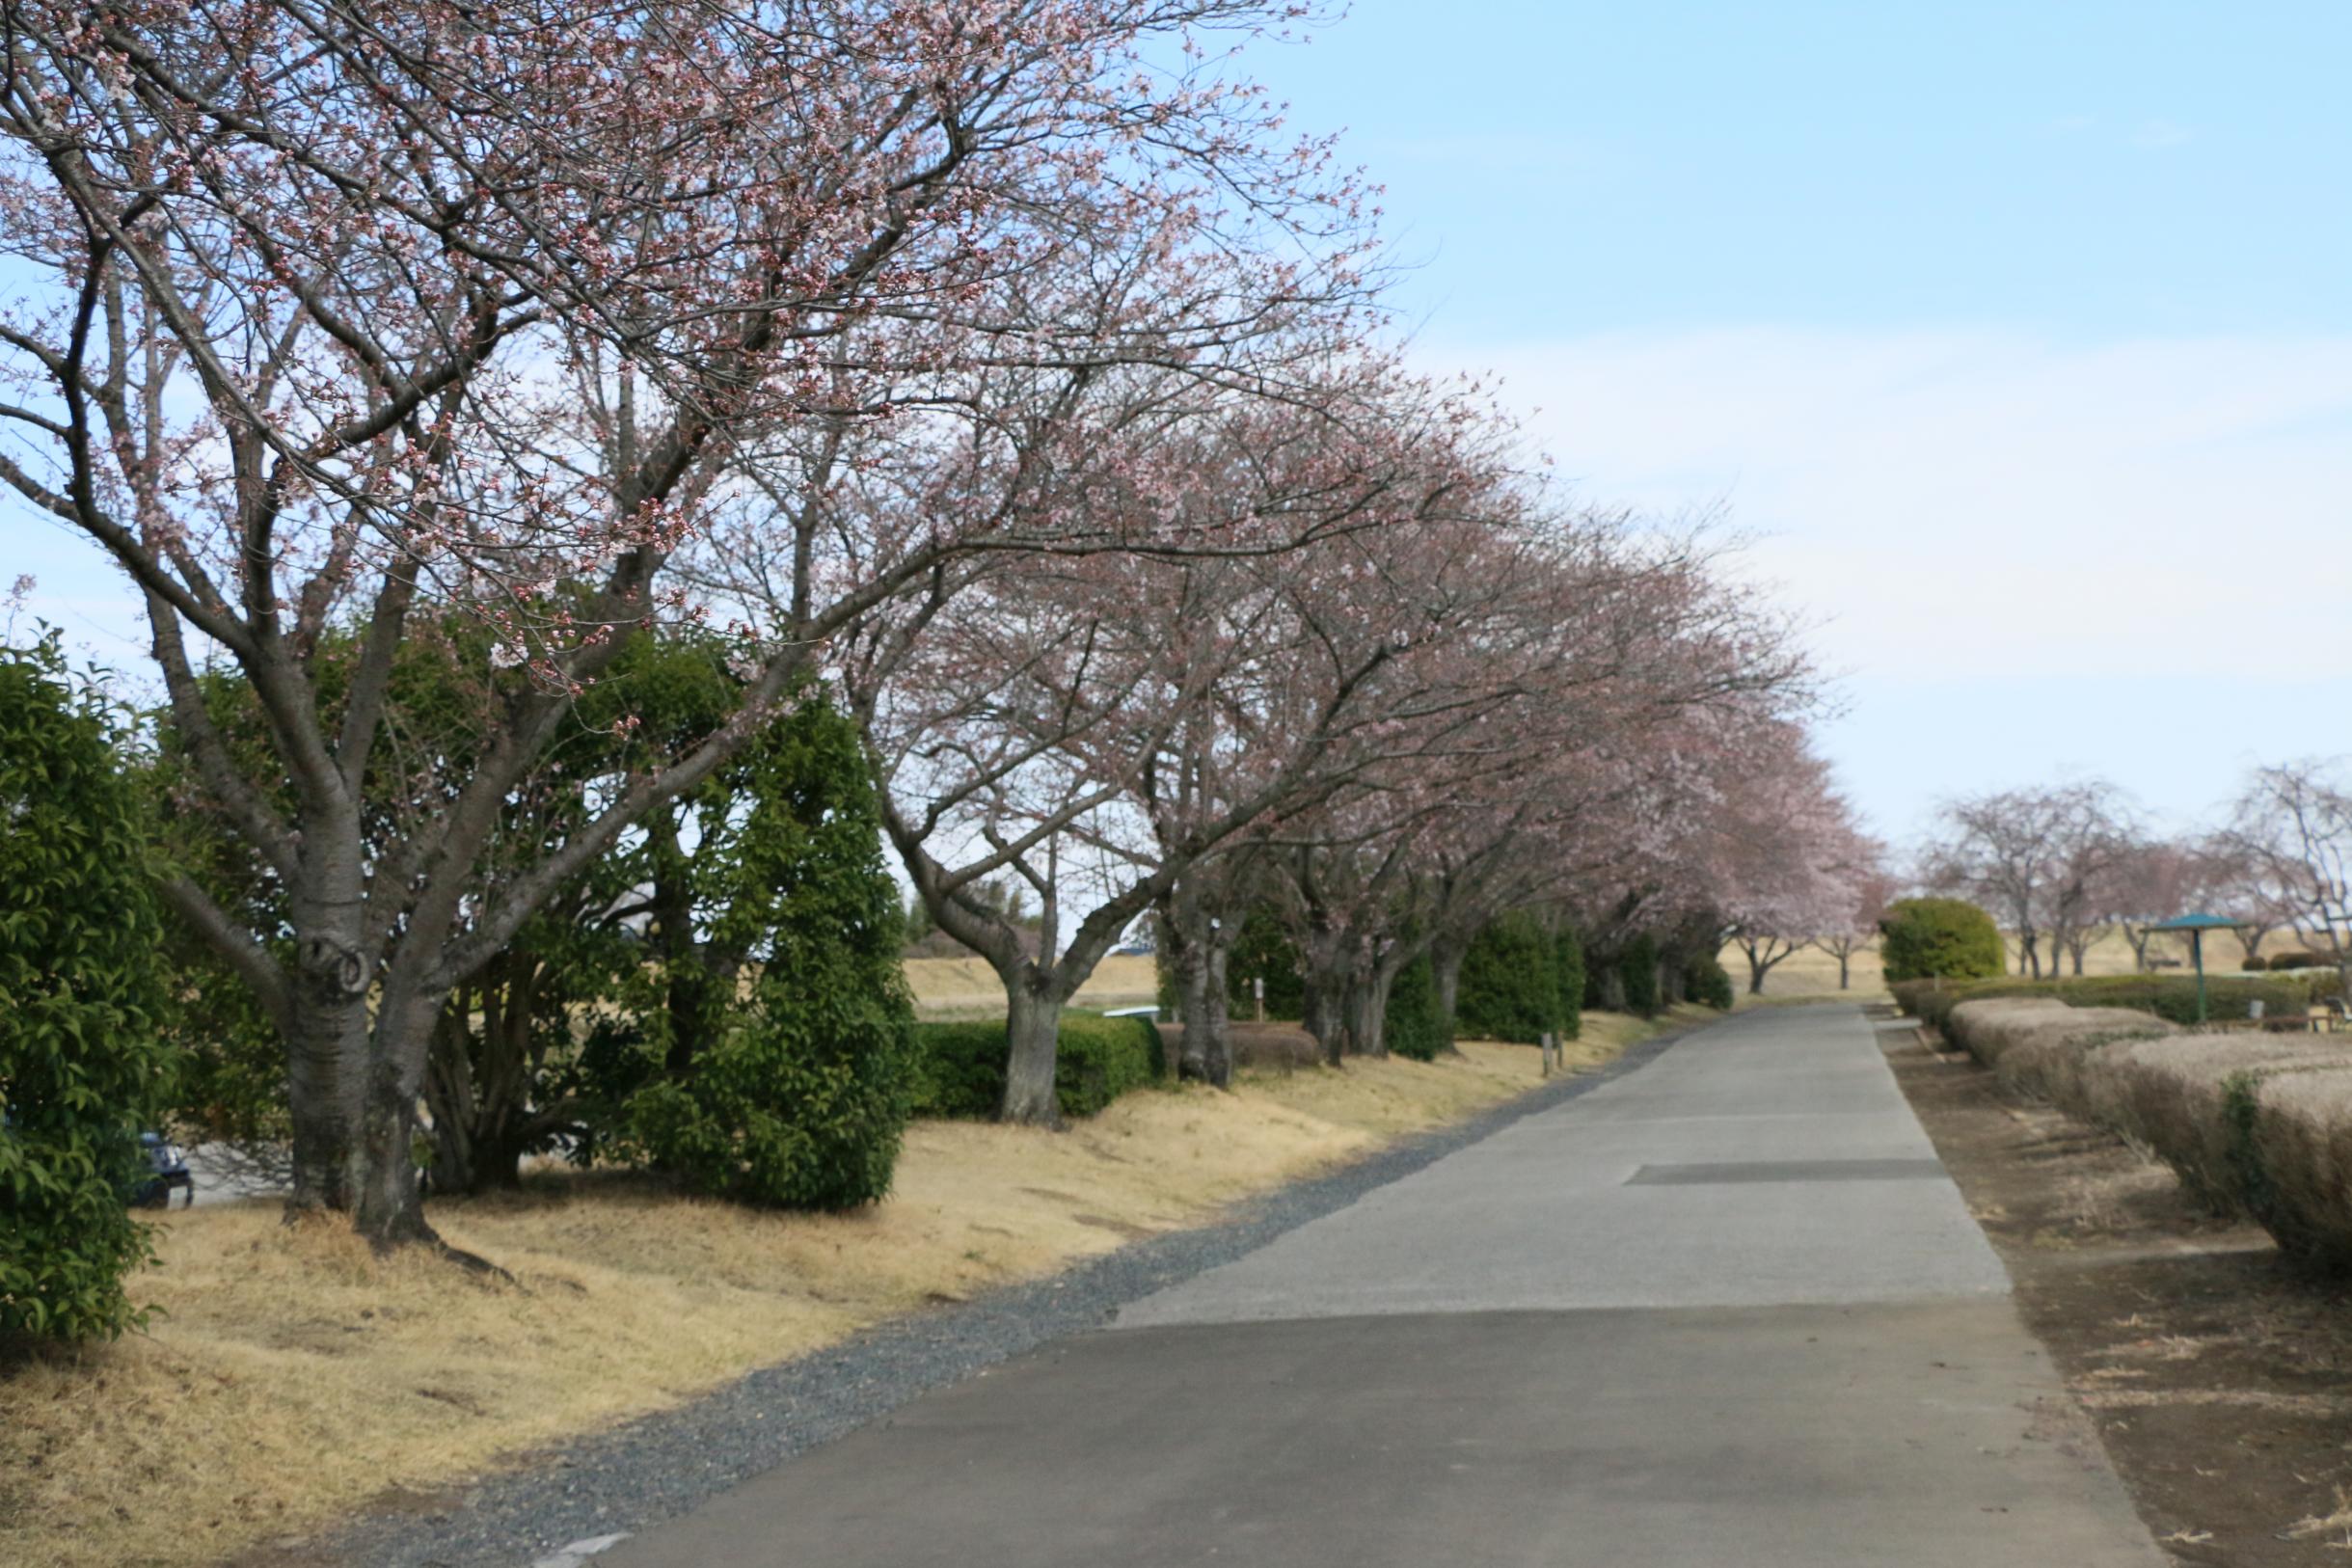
658,1467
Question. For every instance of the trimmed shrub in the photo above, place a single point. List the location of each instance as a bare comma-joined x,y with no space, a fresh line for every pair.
1706,981
1096,1061
1639,970
2254,963
2171,997
1951,938
82,1069
2298,960
1568,965
1509,989
2254,1123
1410,1027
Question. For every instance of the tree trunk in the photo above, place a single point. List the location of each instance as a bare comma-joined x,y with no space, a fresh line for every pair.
388,1207
1845,964
1612,987
477,1085
1756,969
1198,947
1033,1027
1217,1049
1672,968
1445,971
329,1034
1330,985
1367,1011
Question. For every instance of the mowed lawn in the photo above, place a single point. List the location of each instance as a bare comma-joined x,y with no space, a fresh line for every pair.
291,1377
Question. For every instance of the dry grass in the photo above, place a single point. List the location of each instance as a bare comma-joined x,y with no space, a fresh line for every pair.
968,988
1813,973
296,1376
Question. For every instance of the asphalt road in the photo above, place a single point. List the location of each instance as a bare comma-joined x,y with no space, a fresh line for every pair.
1726,1310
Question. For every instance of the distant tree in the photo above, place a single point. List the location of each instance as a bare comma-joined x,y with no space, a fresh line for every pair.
2293,827
1871,890
2036,857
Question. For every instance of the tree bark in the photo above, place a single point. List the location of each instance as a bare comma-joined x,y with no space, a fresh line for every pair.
1445,971
1845,966
1217,1048
1366,1010
1033,1027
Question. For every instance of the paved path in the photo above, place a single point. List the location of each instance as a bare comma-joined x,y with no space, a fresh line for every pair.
1726,1311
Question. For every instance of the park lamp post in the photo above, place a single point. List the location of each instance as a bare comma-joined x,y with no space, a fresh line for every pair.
2197,924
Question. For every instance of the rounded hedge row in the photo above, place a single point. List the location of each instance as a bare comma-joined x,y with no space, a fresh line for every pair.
961,1067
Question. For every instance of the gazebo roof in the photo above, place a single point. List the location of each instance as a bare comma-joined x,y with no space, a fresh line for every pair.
2197,920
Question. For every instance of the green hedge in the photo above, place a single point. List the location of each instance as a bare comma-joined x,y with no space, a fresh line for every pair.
962,1070
1925,937
2171,997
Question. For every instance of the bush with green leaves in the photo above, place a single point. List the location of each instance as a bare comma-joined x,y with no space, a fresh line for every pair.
1637,969
1510,986
1263,950
799,1094
1410,1028
82,1067
1706,981
961,1070
1947,938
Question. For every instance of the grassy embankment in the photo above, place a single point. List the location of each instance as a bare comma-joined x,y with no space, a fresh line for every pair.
294,1377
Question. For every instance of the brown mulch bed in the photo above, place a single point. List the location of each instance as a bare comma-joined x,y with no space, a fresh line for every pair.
2220,1375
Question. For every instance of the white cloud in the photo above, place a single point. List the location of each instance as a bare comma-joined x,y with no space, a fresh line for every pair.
2135,508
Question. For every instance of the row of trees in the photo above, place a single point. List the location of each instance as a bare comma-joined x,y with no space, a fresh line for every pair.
551,449
2060,865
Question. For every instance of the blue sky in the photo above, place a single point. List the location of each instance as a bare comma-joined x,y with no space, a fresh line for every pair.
2017,336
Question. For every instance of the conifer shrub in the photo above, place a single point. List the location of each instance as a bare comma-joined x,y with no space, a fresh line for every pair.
801,1097
1411,1026
1510,986
1706,981
82,1067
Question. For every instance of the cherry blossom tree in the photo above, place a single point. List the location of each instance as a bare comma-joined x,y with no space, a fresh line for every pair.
338,314
1873,889
1120,717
